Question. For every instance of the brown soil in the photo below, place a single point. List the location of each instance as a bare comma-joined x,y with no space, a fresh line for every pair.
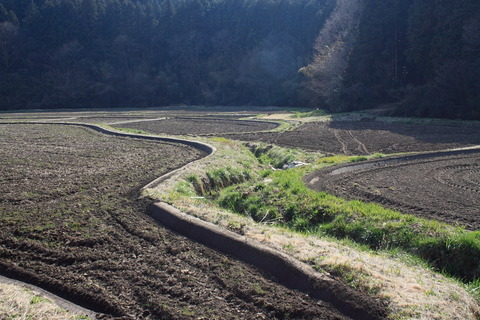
445,187
360,138
117,115
198,126
71,223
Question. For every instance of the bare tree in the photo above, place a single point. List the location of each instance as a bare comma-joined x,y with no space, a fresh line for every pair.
333,46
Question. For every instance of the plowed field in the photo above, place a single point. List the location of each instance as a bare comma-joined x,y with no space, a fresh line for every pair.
360,138
198,126
72,224
443,187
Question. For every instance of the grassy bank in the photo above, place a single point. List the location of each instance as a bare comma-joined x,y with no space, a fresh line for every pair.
308,225
280,197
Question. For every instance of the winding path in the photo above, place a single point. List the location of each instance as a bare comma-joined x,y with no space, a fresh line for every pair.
290,272
63,303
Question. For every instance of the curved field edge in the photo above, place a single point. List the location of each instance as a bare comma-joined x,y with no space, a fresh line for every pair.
290,272
410,288
24,301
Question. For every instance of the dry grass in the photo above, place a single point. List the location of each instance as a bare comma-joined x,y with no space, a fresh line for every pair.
358,116
411,290
19,303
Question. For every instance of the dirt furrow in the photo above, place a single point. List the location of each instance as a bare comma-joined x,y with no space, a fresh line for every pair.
343,148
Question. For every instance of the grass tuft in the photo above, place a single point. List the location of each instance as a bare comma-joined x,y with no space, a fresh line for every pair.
39,299
217,179
278,157
20,303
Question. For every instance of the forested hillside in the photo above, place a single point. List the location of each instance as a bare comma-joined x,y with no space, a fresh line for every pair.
414,57
420,56
70,53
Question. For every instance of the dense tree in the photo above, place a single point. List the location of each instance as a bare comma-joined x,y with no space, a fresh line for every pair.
76,53
8,35
421,57
443,59
374,70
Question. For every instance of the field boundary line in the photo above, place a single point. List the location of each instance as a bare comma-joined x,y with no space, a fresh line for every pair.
57,300
66,304
399,159
288,270
209,149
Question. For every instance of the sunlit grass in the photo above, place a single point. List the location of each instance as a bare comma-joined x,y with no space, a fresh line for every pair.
281,197
313,113
285,199
285,209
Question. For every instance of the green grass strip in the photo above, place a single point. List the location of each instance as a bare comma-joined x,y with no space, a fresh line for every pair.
282,198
